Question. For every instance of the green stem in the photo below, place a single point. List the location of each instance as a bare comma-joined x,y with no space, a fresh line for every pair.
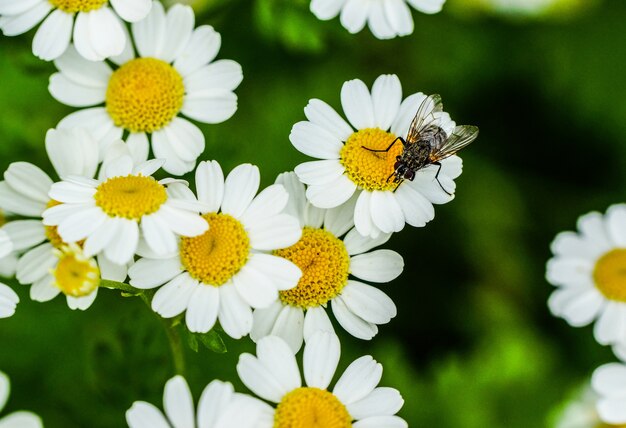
173,335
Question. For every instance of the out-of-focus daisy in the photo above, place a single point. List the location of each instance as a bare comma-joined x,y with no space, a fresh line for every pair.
109,213
8,297
227,270
20,419
173,73
581,412
589,270
609,381
327,261
385,18
349,165
219,407
95,28
45,260
356,400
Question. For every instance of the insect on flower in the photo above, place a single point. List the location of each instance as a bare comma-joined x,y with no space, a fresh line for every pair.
426,143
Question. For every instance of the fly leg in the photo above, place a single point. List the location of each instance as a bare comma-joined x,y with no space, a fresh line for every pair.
388,148
437,178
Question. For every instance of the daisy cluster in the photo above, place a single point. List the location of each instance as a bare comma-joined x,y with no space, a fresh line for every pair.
588,270
286,265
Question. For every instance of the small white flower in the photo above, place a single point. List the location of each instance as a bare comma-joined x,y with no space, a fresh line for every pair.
327,258
385,18
581,412
219,407
173,73
348,167
609,381
589,270
95,28
226,271
21,419
38,248
356,400
108,214
8,297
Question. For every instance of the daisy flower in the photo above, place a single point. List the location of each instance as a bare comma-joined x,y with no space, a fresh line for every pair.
327,261
8,297
348,165
219,407
43,257
227,270
21,419
95,28
356,400
609,381
109,213
144,95
588,269
385,18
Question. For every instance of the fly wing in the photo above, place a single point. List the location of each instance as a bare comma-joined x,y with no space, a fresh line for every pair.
425,115
461,137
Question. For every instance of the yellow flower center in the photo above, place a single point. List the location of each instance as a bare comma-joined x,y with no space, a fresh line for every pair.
311,408
73,6
367,169
609,275
603,425
325,266
75,275
130,197
217,255
3,219
144,95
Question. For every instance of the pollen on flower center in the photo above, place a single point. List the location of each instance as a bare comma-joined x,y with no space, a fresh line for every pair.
609,275
75,275
311,408
144,95
73,6
367,169
130,197
325,266
217,255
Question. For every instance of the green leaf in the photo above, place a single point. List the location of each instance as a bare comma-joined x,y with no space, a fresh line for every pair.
213,341
192,341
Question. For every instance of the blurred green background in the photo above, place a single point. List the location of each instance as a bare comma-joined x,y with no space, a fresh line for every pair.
473,345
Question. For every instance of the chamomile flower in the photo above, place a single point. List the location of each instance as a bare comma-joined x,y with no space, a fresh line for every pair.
173,73
327,259
348,165
588,269
95,28
20,419
8,297
581,412
219,407
356,400
228,270
385,18
109,213
609,381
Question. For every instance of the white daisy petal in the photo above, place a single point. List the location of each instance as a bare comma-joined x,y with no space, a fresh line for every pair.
610,379
53,36
256,377
186,140
8,301
377,266
270,202
353,324
368,303
29,180
239,189
235,315
321,356
289,326
202,48
5,389
255,288
178,403
354,14
132,10
583,308
276,356
35,263
326,9
215,106
182,222
612,410
173,298
362,215
145,415
121,250
616,224
319,172
149,34
405,115
158,235
399,17
417,210
72,152
359,380
284,274
203,309
264,319
98,34
101,238
357,104
214,399
97,121
44,290
427,6
332,194
110,270
380,402
21,419
340,219
224,75
611,324
162,148
316,319
18,24
386,98
381,422
323,115
81,303
14,202
12,7
280,231
138,147
150,273
70,193
210,184
386,212
24,234
357,244
315,141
